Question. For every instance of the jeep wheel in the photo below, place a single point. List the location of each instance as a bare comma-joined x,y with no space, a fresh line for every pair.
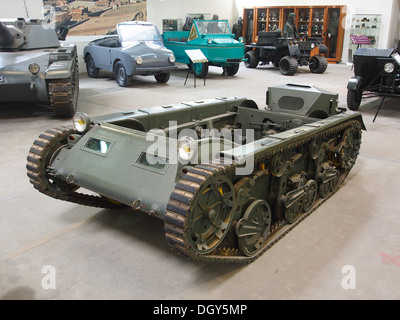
122,79
353,99
91,69
251,59
288,65
200,69
318,64
232,70
162,77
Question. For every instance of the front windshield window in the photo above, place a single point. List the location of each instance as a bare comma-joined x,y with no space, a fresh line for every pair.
138,32
213,26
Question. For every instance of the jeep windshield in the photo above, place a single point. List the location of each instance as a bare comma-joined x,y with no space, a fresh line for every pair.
212,26
138,32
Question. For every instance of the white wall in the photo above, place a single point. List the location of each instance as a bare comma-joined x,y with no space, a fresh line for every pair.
394,33
389,9
11,9
178,9
232,9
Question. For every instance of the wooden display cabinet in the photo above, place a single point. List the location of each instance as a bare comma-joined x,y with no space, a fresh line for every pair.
312,21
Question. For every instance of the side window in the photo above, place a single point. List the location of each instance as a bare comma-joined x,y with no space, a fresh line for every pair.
193,33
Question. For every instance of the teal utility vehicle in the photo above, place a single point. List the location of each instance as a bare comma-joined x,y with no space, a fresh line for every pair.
215,40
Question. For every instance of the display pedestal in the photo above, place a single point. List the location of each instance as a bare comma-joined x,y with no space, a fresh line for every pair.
195,56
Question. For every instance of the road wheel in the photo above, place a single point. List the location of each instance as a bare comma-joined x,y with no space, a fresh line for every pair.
91,69
252,230
232,70
121,77
252,59
288,65
353,99
162,77
318,64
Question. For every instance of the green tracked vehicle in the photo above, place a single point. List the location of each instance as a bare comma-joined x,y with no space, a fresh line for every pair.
35,67
229,179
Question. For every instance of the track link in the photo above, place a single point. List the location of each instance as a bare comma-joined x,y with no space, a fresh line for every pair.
43,150
63,93
179,207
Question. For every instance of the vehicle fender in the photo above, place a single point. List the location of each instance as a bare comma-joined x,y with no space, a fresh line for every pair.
354,83
360,119
126,60
294,50
59,70
86,52
322,48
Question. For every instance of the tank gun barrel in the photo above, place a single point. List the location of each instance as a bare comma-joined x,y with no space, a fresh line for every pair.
6,37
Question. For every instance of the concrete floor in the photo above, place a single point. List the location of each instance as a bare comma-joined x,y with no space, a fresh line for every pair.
119,254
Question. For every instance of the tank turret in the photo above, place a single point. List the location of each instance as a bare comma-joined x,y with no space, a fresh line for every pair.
6,37
21,34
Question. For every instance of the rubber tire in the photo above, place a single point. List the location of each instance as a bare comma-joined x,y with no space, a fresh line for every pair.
353,99
321,64
252,59
200,69
288,65
122,79
91,69
162,77
232,70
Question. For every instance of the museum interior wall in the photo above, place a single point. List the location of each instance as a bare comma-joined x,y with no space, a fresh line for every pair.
19,8
157,10
389,33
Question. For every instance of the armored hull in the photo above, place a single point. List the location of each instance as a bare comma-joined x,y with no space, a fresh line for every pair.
228,179
35,67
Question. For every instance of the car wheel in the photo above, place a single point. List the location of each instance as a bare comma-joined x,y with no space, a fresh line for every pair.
251,59
162,77
121,77
353,99
200,69
91,69
318,64
232,70
288,65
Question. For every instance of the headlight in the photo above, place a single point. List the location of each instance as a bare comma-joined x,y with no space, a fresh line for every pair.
34,68
139,60
241,39
81,122
389,67
171,58
187,148
312,45
209,40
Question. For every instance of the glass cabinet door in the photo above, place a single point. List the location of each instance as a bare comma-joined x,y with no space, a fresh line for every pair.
332,31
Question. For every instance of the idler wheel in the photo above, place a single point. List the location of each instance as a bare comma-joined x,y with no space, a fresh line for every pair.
350,146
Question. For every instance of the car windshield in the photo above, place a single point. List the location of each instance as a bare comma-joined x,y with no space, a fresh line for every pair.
212,26
138,32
